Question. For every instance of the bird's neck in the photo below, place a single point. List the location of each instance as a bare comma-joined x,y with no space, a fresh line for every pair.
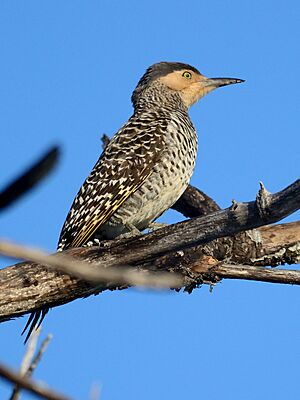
158,97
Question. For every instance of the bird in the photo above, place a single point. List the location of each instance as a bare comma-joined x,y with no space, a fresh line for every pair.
146,166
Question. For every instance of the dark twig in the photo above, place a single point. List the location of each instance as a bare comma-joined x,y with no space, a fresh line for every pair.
29,385
195,203
105,140
33,175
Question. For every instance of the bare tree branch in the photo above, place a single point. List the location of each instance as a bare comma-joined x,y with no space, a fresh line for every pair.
29,385
182,248
249,273
195,203
88,271
33,175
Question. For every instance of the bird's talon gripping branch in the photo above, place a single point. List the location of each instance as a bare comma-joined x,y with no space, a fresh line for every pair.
132,232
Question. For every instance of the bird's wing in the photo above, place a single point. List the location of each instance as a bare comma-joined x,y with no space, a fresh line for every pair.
122,168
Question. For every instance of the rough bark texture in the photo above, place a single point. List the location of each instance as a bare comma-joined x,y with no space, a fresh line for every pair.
195,203
200,249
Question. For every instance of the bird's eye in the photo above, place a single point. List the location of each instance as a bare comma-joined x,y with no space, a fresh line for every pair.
187,75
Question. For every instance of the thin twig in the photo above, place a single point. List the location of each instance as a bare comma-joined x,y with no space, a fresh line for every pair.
38,356
29,354
29,385
26,362
262,274
90,273
105,141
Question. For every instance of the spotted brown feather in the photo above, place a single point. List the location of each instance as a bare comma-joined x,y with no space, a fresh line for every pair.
122,169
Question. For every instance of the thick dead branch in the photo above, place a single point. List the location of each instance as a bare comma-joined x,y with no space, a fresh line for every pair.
181,248
28,179
89,272
29,385
195,203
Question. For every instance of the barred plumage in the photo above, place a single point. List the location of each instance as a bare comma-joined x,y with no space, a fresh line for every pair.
135,167
146,166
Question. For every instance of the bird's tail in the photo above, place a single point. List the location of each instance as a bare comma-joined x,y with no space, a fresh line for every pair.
34,322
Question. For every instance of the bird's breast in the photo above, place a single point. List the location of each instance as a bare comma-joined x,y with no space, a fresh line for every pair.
167,181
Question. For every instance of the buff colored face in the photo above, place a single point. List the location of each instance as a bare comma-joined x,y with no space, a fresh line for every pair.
192,85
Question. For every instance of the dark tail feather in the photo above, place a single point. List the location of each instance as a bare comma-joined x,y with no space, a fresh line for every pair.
34,322
28,322
44,312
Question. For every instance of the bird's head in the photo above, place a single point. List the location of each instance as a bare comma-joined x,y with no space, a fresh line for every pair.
179,78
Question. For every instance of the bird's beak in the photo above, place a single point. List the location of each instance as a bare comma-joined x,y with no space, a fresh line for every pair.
203,86
206,85
214,83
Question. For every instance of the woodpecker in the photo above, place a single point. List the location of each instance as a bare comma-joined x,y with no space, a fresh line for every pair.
146,166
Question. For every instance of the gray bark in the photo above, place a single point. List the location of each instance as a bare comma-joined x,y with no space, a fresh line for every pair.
199,249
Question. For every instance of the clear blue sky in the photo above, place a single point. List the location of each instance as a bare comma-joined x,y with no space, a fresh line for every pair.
67,71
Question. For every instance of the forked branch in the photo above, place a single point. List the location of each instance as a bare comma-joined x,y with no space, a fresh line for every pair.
199,250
